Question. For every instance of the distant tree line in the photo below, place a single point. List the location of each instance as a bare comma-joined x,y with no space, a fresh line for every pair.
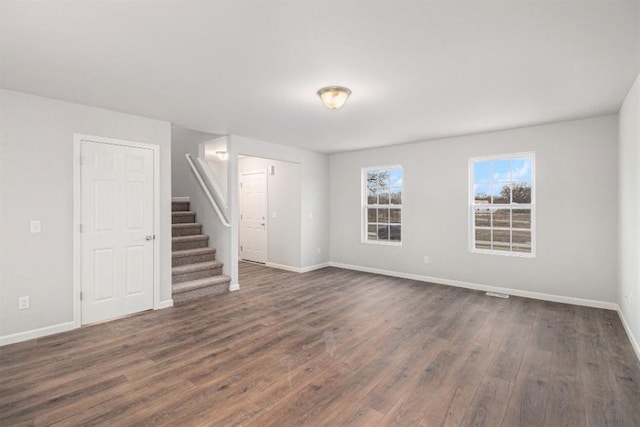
521,194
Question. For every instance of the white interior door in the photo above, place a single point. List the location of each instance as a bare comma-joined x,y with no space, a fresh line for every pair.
117,230
253,216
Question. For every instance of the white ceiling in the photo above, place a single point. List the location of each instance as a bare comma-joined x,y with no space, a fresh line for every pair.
417,69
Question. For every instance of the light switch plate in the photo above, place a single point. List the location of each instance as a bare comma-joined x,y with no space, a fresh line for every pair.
24,303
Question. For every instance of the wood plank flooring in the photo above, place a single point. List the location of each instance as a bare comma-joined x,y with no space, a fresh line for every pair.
331,347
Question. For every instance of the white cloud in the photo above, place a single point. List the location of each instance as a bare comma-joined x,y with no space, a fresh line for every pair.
520,173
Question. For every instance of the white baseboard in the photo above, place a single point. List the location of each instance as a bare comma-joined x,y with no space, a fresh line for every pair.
314,267
37,333
632,338
480,287
164,304
56,329
234,287
283,267
297,269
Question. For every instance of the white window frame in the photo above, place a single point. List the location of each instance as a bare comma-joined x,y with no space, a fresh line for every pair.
364,206
472,235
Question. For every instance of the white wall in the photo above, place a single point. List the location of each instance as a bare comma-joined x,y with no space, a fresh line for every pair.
36,182
629,179
314,182
184,141
208,152
283,199
576,181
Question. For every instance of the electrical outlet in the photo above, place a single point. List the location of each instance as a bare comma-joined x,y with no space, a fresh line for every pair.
23,303
274,214
310,215
35,226
426,259
319,251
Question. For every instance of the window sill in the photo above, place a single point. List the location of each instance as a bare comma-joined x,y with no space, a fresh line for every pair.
502,253
381,243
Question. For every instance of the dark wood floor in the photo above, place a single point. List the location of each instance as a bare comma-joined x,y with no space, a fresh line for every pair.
331,347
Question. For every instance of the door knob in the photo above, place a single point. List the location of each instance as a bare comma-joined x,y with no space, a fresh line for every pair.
150,237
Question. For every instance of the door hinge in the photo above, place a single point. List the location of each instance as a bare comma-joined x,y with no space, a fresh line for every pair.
81,229
241,216
82,160
80,295
242,248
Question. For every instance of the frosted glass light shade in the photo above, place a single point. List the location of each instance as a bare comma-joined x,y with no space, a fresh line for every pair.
334,97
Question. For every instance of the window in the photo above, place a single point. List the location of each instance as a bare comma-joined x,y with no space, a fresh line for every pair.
382,205
502,204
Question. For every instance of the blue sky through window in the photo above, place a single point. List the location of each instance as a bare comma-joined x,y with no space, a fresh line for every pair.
516,170
491,176
502,210
396,178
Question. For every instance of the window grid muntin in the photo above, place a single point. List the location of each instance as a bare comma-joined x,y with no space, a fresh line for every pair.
382,206
489,205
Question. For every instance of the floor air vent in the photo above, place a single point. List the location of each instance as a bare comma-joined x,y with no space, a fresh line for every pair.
497,295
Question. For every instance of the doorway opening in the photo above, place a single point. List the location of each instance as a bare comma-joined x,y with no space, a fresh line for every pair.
269,208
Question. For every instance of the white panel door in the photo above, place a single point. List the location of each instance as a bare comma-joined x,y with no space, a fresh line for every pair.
117,230
253,217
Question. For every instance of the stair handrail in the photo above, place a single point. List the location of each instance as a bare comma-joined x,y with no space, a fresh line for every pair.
213,202
211,179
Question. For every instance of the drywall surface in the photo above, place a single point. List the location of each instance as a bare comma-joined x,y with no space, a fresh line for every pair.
36,175
184,141
576,177
283,208
314,183
209,152
629,180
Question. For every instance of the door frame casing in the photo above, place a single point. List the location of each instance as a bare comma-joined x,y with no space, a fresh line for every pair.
266,220
77,217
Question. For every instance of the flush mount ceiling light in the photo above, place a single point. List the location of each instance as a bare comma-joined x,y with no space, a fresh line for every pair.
222,155
334,97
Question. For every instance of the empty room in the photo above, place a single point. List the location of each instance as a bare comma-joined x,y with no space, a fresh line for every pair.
319,213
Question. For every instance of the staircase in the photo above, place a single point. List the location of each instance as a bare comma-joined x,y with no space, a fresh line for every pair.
195,272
